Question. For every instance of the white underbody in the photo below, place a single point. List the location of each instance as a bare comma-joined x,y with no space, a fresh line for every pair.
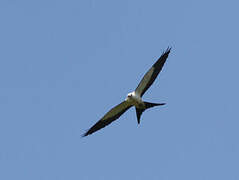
135,99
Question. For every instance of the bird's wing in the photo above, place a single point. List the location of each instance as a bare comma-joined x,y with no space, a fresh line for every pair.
152,73
109,117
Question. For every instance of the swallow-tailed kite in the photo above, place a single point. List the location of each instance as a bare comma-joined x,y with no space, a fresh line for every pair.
134,98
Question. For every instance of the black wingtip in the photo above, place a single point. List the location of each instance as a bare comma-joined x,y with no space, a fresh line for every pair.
168,50
85,134
165,54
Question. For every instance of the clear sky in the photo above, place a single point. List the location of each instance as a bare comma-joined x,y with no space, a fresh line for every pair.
64,64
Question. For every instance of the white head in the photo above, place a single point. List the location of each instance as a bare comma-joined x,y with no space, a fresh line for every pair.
129,96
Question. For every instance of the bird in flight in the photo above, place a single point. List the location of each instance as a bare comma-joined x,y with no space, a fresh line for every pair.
134,98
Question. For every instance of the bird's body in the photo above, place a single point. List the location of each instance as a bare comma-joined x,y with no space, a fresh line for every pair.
134,98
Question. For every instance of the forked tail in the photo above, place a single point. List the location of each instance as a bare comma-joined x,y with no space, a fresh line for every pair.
147,106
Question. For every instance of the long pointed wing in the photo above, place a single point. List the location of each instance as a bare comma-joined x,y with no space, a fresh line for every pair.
152,73
109,117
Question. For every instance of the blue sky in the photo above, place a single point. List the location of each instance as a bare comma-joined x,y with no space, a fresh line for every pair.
64,64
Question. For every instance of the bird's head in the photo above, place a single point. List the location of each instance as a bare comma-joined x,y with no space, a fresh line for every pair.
129,96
